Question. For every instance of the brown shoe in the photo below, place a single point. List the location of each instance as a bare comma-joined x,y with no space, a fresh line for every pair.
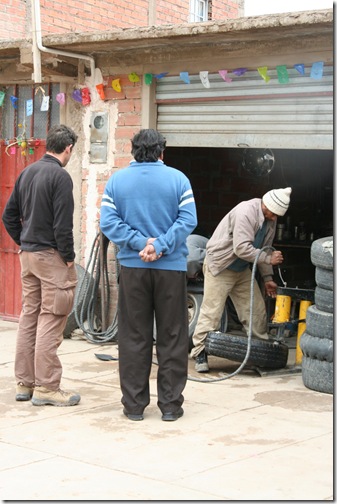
23,393
43,396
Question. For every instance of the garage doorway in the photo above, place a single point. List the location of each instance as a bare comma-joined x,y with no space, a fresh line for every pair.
220,182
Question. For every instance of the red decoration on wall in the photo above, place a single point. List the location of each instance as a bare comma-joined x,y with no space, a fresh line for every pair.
85,96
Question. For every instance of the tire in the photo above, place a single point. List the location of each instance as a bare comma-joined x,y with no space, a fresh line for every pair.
324,299
320,255
263,353
324,278
317,375
319,323
84,281
194,303
316,348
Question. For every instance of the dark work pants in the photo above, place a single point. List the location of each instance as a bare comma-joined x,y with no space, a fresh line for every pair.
144,293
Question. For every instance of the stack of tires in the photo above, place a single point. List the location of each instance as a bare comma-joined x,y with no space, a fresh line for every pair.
316,342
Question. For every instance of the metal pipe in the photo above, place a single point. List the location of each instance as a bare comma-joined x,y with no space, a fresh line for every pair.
38,39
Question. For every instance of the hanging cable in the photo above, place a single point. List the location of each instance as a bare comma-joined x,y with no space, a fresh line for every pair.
90,314
249,338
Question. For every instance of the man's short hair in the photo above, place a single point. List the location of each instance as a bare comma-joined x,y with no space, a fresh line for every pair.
147,145
59,137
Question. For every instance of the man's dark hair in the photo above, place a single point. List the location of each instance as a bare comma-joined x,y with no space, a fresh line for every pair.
59,137
147,145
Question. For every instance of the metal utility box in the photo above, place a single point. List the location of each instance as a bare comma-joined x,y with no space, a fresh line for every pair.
99,137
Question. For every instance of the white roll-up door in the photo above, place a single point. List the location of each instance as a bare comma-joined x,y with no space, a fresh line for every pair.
247,111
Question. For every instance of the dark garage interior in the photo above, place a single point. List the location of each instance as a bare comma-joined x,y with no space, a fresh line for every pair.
220,181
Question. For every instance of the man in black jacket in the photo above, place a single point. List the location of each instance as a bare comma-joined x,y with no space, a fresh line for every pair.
39,218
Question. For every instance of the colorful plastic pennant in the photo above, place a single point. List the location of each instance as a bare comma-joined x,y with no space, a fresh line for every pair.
61,98
204,78
185,77
100,91
133,77
14,102
263,72
116,86
317,70
282,74
29,107
300,68
223,74
45,104
85,96
148,79
77,95
160,75
239,71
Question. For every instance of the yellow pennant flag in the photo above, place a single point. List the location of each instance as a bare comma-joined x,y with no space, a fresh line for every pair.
133,77
263,72
115,84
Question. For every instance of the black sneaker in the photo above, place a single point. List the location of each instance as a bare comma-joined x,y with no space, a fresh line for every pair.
134,417
171,417
201,364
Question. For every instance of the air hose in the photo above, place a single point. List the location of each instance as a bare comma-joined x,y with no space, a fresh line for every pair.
249,338
98,258
87,312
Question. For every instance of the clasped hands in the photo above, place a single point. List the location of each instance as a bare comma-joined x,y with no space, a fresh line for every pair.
149,254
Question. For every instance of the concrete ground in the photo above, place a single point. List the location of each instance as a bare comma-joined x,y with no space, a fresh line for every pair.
250,437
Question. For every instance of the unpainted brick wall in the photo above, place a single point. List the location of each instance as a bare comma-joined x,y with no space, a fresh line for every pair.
12,19
68,16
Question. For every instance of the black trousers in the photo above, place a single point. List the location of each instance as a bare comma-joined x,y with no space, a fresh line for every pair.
143,294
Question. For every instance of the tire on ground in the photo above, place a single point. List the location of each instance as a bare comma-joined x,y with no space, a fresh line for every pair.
263,353
320,255
316,348
84,281
319,323
324,299
324,278
317,375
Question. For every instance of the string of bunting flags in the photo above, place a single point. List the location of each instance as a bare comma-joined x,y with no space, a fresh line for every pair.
83,95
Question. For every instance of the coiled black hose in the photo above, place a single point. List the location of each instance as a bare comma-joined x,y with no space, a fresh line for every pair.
91,314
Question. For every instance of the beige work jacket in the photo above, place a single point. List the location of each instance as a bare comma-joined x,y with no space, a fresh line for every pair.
234,237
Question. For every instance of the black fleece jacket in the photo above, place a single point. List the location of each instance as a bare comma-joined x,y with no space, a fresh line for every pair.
39,212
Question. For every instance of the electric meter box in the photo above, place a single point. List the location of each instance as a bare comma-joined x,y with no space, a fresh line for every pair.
99,137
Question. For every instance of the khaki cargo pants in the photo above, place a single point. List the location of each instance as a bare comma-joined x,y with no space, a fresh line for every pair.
235,284
48,288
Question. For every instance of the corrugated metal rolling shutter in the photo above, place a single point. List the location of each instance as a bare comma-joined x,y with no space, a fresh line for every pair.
247,111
